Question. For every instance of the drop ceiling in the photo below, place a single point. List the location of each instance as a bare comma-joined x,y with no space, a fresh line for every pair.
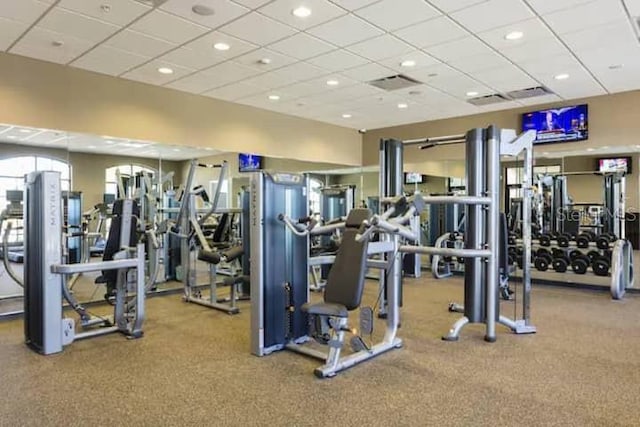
458,48
85,143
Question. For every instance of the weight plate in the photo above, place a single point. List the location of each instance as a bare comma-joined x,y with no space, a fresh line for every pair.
560,265
541,263
579,265
600,267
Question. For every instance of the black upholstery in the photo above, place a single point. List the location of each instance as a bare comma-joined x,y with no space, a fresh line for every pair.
114,245
235,280
233,253
343,291
211,257
503,257
219,232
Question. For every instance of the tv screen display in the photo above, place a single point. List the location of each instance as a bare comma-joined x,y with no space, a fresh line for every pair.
412,178
249,162
616,164
563,124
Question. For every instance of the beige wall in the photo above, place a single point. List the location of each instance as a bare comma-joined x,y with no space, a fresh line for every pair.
41,94
87,170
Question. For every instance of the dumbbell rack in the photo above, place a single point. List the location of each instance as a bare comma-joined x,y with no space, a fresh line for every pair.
607,253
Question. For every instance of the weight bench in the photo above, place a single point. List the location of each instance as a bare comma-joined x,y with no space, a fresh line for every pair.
342,292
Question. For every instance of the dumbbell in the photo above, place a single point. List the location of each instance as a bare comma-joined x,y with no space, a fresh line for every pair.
511,238
560,264
542,261
603,241
600,266
583,240
580,264
563,240
544,240
593,255
574,254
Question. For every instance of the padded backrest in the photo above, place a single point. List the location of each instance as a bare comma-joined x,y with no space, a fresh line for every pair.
218,234
345,282
113,240
503,241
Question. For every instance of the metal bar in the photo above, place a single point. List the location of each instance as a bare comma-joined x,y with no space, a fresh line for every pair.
463,253
94,266
222,177
95,333
326,229
221,307
493,235
457,200
436,139
321,260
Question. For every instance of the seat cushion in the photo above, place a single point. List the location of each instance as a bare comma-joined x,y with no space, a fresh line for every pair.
325,309
209,256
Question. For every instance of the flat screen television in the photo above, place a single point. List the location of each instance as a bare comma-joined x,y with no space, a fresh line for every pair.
413,178
615,164
249,162
564,124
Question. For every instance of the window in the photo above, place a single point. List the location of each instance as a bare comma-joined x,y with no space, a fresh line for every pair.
223,199
127,175
13,170
516,175
315,185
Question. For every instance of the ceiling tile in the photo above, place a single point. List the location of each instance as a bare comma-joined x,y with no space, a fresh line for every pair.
453,5
613,35
346,30
268,80
77,25
25,11
491,14
262,100
168,27
426,74
205,45
388,15
360,90
421,60
258,29
368,72
381,47
252,4
322,11
37,43
432,32
301,46
224,11
458,49
191,58
532,29
505,79
585,16
303,89
474,63
229,72
148,73
542,7
353,4
9,31
611,58
459,85
109,60
233,91
301,71
551,66
620,80
338,60
252,59
538,49
120,12
142,44
633,6
343,82
537,100
195,83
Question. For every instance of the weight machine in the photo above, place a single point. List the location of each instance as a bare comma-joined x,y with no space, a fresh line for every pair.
46,330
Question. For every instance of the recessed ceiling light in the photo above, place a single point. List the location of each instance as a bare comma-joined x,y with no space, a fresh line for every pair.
57,43
514,35
590,149
604,147
109,142
346,116
301,12
408,63
221,46
202,10
274,97
402,105
208,149
176,149
12,137
24,131
165,70
105,8
333,82
546,153
615,66
264,61
562,76
472,93
91,146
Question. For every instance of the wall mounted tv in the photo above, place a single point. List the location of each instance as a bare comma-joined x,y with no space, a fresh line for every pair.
564,124
615,164
413,178
249,162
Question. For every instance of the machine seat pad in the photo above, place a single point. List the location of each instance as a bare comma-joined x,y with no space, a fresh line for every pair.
211,257
325,309
235,280
233,253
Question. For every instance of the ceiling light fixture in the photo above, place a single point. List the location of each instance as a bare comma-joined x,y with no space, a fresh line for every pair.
333,82
604,147
202,10
546,153
402,105
615,66
264,61
514,35
105,8
24,131
472,93
57,43
165,70
301,12
221,46
176,149
346,116
408,63
91,146
274,97
562,76
590,149
12,137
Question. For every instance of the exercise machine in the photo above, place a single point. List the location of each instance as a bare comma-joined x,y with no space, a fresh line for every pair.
46,330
